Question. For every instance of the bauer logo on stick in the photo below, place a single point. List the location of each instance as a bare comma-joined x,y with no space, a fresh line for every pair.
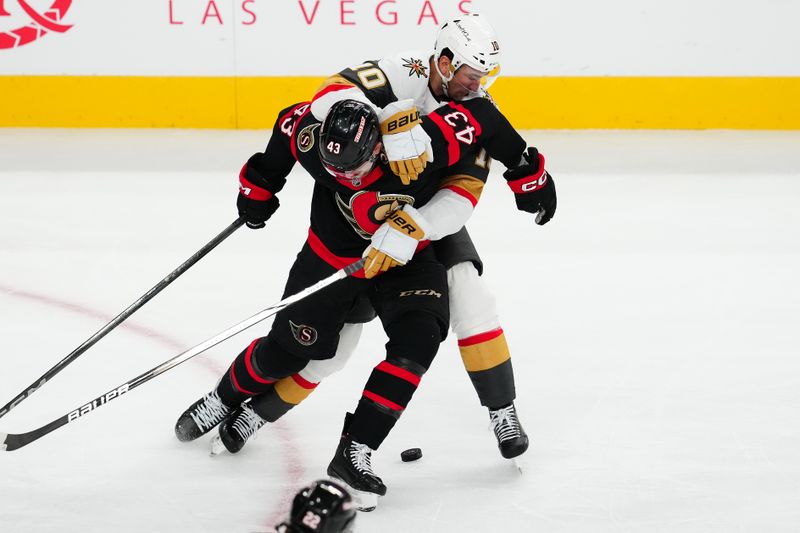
102,400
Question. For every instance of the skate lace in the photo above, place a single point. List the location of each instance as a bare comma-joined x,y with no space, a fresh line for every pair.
504,423
210,411
361,458
247,422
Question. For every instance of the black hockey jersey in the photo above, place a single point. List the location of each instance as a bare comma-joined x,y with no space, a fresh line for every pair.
345,214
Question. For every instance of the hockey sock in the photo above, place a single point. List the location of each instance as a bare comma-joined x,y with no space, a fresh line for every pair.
286,393
256,370
393,382
488,362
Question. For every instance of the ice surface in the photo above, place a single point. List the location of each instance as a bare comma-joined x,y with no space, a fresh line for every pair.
653,326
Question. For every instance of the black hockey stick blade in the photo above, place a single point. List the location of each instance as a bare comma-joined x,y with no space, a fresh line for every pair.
14,441
116,321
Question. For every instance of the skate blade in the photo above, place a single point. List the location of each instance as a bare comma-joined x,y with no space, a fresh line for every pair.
216,446
364,501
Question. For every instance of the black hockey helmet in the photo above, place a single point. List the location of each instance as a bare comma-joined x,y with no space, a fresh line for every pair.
322,507
349,138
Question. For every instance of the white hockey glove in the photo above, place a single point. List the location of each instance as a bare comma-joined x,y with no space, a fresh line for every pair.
406,144
395,241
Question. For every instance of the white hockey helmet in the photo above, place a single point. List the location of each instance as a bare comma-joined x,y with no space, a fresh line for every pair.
472,41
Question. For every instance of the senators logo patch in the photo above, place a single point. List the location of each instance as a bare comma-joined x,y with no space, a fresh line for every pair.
415,66
306,139
367,210
305,335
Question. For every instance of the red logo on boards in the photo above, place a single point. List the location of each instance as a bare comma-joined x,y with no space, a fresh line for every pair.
39,22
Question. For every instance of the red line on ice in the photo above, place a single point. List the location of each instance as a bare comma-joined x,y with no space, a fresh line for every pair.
294,472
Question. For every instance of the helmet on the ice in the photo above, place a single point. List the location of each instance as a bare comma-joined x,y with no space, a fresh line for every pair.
469,40
322,507
349,138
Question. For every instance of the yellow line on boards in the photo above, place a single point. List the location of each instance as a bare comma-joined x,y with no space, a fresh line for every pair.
529,102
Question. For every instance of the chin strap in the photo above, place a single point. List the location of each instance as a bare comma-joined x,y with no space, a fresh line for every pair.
446,81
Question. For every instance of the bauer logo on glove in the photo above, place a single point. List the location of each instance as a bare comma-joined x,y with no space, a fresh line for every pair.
403,121
405,142
395,241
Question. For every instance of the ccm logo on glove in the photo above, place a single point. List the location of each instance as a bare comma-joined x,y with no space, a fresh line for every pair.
535,184
534,190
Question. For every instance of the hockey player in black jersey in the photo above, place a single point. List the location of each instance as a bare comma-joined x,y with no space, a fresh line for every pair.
359,208
463,64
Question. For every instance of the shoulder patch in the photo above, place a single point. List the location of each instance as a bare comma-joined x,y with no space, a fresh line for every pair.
306,139
415,66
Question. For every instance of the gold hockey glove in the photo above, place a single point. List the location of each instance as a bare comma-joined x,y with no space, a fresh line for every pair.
407,145
395,241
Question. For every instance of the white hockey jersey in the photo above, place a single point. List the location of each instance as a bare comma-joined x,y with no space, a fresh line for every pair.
380,82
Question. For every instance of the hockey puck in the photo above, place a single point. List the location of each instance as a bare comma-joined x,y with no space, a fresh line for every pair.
411,454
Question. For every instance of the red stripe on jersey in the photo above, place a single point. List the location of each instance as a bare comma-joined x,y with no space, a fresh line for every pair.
398,372
421,246
295,108
250,189
463,192
304,382
470,117
383,401
236,383
453,150
250,370
481,337
329,257
330,89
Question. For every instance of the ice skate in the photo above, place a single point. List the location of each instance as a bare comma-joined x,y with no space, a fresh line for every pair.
511,438
351,465
201,417
234,431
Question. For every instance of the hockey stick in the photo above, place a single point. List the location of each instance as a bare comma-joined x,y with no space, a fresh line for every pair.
88,343
11,441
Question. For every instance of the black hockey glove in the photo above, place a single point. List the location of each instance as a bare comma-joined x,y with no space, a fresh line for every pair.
256,212
534,190
256,204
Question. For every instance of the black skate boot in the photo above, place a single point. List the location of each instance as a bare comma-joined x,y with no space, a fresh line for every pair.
242,424
201,417
351,465
511,438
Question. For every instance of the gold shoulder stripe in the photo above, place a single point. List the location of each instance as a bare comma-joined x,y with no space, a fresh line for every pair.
471,184
335,80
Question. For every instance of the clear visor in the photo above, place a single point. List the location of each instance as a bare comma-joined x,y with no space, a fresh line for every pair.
471,79
490,77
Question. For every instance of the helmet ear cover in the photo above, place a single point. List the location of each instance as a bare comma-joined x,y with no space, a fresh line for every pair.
348,136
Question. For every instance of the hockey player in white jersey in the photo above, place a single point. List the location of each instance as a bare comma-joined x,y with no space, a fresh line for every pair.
465,61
